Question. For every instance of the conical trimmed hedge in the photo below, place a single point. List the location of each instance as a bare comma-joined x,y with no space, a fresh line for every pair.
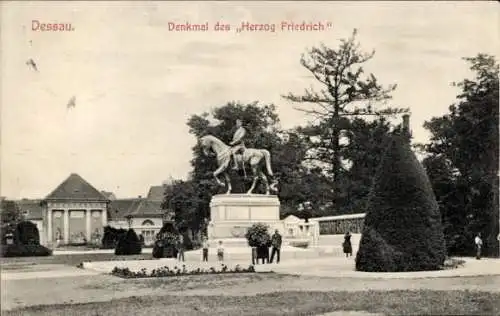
402,227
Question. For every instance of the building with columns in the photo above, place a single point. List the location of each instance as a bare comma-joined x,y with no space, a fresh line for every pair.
74,212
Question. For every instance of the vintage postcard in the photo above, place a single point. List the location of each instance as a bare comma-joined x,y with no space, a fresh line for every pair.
249,158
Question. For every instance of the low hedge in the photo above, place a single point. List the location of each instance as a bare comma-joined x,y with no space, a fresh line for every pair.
299,244
111,237
176,271
20,250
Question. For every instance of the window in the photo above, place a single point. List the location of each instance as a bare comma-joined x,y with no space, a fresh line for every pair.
148,223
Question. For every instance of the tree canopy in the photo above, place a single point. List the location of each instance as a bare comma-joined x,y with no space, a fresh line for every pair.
347,94
462,159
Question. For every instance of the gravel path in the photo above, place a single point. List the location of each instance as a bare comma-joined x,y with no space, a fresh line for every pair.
58,284
100,288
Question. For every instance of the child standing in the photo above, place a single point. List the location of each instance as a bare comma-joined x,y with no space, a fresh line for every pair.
220,251
205,249
180,248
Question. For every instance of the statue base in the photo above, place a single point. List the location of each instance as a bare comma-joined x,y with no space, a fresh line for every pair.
233,214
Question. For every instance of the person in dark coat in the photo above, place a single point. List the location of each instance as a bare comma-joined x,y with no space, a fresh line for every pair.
346,245
263,252
276,241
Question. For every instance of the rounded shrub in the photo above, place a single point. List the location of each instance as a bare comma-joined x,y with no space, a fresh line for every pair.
402,227
111,237
168,228
166,242
129,244
26,233
258,235
166,245
158,249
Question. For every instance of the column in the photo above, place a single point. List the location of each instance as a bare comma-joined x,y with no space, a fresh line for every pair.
104,217
49,226
66,225
88,233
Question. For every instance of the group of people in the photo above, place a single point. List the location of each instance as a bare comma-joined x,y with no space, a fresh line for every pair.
205,246
262,252
276,241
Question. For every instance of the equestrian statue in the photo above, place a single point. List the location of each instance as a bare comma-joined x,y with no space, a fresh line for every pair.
241,156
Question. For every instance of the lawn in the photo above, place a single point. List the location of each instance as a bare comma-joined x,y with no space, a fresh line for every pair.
71,259
402,302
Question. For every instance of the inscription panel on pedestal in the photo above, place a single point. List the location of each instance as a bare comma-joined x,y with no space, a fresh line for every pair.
264,213
237,213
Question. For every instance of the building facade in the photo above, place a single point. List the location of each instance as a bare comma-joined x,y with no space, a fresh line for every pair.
75,213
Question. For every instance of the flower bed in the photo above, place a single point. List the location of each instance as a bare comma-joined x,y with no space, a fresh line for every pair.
126,273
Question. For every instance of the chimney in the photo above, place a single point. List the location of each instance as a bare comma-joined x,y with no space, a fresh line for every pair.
406,125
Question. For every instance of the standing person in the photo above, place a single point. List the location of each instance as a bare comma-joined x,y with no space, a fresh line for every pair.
263,252
205,249
255,259
180,248
479,244
238,143
347,245
220,251
276,241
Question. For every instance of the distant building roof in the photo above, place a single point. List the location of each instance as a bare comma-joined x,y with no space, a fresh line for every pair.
156,193
76,188
119,209
108,195
147,208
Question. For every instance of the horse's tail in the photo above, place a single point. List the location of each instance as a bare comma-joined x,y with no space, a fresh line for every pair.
267,156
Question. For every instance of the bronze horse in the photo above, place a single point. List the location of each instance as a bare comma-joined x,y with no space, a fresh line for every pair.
251,156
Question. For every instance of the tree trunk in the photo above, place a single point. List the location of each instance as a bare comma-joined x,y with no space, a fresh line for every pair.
335,148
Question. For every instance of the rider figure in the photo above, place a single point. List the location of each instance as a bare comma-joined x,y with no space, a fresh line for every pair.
238,143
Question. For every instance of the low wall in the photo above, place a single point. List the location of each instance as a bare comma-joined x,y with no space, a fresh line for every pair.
337,240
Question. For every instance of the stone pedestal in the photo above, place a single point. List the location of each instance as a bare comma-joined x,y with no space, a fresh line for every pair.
233,214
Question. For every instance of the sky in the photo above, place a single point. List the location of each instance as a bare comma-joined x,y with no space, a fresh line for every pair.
136,82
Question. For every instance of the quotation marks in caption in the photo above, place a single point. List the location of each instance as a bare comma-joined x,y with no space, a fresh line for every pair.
283,26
